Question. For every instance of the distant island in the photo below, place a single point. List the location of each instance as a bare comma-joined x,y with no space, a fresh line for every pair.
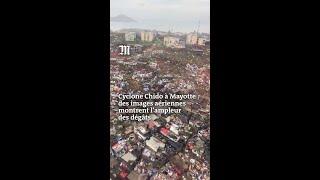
121,18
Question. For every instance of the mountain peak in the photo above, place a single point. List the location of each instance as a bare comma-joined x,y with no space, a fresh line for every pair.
122,18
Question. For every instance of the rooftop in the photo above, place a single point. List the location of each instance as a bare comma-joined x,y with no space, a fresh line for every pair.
129,157
154,143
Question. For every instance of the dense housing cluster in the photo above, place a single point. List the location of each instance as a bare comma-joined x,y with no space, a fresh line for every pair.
169,145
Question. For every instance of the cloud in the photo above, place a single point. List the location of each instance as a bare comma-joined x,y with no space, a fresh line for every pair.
150,6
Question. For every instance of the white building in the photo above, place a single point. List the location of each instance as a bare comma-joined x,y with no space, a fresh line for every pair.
130,36
192,39
175,129
173,42
129,157
154,144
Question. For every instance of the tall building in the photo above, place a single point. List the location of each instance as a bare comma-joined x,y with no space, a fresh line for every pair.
192,39
147,36
130,36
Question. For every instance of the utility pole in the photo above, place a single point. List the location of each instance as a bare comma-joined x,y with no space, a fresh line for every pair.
198,27
198,32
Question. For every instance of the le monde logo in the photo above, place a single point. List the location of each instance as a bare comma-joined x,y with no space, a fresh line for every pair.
124,50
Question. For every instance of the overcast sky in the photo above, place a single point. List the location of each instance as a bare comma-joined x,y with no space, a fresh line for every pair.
181,15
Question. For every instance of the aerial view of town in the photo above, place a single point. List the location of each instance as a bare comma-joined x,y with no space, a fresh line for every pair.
160,60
